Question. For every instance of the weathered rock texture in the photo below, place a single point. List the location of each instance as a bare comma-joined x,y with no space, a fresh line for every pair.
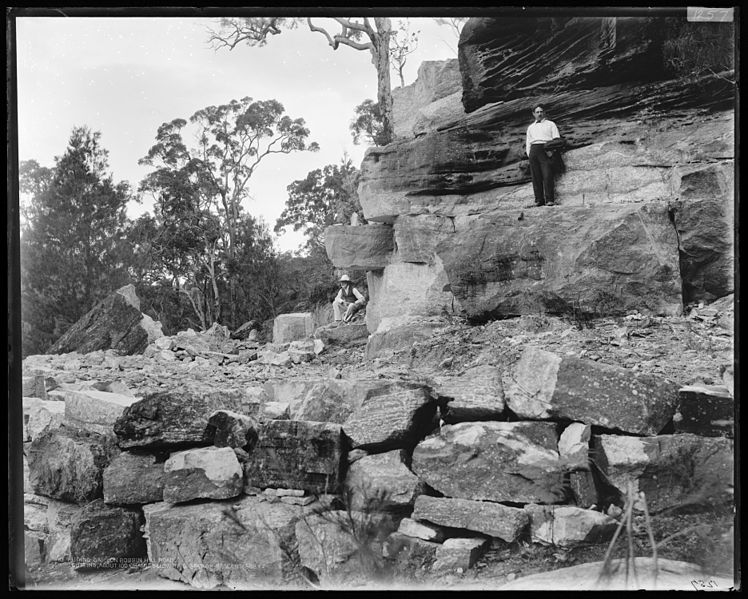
114,323
96,410
459,554
564,260
477,394
102,536
39,415
493,519
672,470
365,247
382,475
205,473
295,454
231,429
396,416
494,461
67,463
177,417
133,478
236,543
415,107
544,385
566,525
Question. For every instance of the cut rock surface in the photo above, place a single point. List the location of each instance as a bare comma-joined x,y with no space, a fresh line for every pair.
207,473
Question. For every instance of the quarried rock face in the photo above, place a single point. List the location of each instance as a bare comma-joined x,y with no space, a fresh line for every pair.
544,385
567,525
364,247
399,333
102,536
493,461
295,454
133,478
670,469
382,474
206,473
493,519
395,416
566,260
407,288
114,323
67,463
236,543
177,417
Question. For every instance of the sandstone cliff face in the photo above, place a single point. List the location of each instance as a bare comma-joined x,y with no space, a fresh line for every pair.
646,215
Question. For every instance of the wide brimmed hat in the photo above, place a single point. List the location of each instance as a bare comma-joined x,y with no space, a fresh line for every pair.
345,279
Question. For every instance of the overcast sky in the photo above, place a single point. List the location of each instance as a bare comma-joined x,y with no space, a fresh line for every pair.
125,76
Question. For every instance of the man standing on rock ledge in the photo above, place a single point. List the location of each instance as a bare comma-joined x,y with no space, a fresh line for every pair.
541,168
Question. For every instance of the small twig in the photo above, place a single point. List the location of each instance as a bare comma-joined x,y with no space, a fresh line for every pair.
651,538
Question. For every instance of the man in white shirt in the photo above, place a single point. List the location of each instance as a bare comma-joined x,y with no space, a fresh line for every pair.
348,301
541,168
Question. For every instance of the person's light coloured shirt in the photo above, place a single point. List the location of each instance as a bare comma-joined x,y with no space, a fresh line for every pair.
543,131
356,292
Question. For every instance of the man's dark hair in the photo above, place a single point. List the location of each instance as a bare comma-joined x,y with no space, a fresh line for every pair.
534,108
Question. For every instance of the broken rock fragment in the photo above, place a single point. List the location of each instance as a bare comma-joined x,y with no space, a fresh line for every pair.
205,473
493,461
544,385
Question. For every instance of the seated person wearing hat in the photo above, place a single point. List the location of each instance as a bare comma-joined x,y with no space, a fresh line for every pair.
348,301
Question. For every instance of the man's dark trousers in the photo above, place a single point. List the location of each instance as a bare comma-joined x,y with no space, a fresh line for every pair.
541,169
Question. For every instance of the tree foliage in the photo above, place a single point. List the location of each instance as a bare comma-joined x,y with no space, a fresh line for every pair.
695,49
324,197
73,237
404,43
367,124
372,35
202,235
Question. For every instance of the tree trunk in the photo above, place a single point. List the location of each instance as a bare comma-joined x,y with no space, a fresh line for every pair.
381,60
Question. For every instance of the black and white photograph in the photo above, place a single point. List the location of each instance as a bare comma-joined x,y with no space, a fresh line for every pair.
351,299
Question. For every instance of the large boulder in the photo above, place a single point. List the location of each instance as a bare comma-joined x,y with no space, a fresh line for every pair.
292,326
133,478
544,385
396,416
493,461
178,417
486,517
566,260
295,454
672,470
363,247
67,463
107,537
238,543
231,429
114,323
205,473
382,475
459,554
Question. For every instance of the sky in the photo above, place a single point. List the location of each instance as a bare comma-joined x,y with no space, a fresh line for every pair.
125,76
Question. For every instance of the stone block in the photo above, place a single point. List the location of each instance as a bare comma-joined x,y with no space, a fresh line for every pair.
366,247
382,475
293,326
205,473
567,525
96,410
707,410
133,478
